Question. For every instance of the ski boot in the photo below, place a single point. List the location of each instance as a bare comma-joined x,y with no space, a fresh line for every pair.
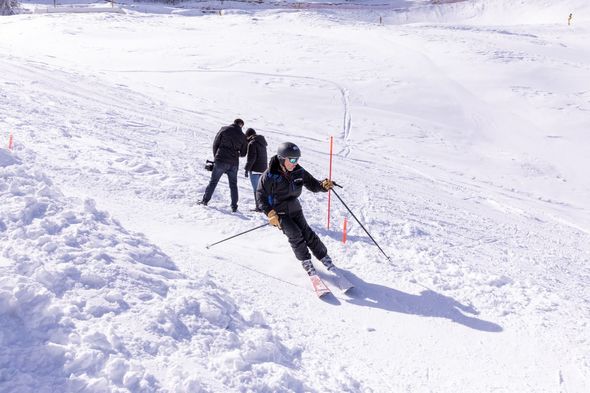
308,266
327,261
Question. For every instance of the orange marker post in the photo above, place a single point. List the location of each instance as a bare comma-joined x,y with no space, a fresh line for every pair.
10,142
344,231
330,177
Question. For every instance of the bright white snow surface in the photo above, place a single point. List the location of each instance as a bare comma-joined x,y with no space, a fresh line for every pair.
461,140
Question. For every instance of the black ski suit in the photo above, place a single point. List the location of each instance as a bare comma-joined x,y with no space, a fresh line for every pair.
278,190
229,145
257,158
257,161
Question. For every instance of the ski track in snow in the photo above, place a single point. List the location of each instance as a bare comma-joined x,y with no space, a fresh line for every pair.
470,251
347,119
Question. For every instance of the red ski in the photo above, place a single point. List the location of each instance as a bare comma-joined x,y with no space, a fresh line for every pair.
318,286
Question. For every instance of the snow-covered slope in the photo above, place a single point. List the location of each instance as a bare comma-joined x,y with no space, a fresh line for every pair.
497,13
462,147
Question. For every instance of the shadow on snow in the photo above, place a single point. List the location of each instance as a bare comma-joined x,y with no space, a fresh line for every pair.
428,304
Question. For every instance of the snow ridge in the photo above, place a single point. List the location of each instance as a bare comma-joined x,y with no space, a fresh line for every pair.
75,285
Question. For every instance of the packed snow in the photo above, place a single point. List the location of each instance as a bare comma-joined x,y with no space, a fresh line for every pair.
460,139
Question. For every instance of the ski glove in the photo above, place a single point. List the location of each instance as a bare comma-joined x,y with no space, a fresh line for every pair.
246,173
327,184
273,219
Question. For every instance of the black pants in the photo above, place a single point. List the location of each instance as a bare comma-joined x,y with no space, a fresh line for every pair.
301,236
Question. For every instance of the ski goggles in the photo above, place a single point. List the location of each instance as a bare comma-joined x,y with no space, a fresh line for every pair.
293,160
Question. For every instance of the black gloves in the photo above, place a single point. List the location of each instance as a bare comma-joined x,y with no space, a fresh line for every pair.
246,173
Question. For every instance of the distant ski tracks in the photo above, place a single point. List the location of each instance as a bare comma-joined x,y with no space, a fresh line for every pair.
344,93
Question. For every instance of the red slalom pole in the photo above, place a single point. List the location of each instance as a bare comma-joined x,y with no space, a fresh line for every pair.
10,142
344,231
330,178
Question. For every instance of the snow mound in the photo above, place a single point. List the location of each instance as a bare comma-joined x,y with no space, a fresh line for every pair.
86,305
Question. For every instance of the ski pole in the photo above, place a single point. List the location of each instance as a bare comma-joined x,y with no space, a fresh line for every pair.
357,220
239,234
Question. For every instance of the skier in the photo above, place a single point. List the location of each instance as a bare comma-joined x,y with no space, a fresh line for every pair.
279,187
257,160
229,145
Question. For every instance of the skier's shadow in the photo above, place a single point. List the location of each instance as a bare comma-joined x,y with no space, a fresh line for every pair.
238,214
338,236
428,304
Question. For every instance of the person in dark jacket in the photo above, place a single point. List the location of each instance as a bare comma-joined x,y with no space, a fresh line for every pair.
277,194
257,160
229,145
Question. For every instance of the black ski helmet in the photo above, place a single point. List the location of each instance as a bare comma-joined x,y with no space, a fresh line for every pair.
288,150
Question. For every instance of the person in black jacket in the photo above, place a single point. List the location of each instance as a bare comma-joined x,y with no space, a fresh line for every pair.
257,160
229,145
279,187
